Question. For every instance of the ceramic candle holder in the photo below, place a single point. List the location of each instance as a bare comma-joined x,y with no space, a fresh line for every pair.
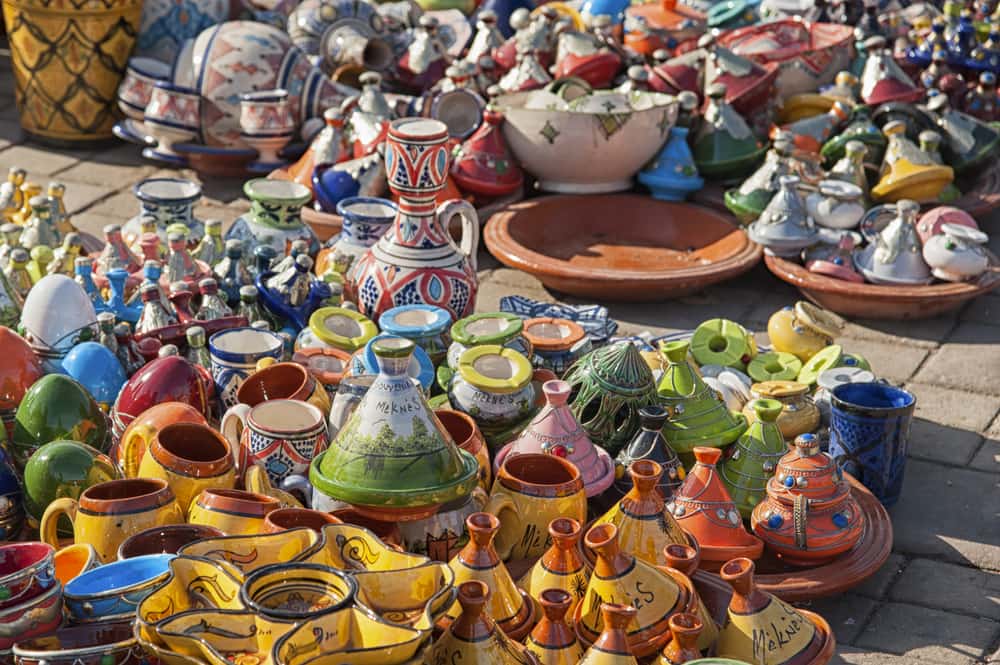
172,116
267,125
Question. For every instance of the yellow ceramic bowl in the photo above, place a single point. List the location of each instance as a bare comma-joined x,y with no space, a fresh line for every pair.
350,636
414,597
354,548
248,553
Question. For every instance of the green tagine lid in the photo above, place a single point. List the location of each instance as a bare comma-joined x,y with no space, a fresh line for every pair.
751,461
698,415
393,460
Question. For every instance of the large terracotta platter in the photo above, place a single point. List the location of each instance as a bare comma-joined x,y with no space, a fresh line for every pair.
876,301
620,246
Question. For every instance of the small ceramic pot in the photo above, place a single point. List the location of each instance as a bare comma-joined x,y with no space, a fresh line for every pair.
74,560
172,116
466,434
282,435
39,616
530,491
234,512
108,513
870,435
957,254
284,519
287,380
266,125
557,343
420,369
830,379
190,458
494,328
136,89
112,591
338,328
164,539
327,366
364,220
168,379
62,469
799,414
836,205
493,385
235,354
144,429
426,325
111,644
27,570
801,330
296,591
275,217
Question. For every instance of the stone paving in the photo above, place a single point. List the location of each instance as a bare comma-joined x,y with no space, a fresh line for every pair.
937,599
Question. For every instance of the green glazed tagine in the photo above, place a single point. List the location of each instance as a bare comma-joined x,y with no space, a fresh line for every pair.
751,461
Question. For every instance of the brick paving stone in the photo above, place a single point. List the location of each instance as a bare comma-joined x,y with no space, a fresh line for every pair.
118,208
490,292
947,423
949,587
39,162
878,584
853,656
685,313
94,222
894,362
988,456
945,513
985,309
927,333
920,633
81,195
846,613
119,168
969,360
940,443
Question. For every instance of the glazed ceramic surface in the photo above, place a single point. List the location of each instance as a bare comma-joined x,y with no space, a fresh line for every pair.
62,469
562,566
365,220
168,379
274,218
19,369
494,386
27,571
558,343
426,325
39,616
235,354
164,539
51,337
234,512
112,644
144,428
751,461
112,591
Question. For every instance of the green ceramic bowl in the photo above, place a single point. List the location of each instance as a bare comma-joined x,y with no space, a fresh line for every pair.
57,407
63,469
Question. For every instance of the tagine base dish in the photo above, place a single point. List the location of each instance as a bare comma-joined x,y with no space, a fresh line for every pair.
878,301
579,245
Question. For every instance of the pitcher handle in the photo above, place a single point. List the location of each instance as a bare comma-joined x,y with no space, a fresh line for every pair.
48,529
498,504
231,427
299,485
131,453
469,243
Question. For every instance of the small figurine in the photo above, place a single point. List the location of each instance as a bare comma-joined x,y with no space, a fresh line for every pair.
968,141
528,74
11,197
39,229
60,216
11,233
981,101
425,59
231,273
116,254
17,274
106,332
181,265
40,257
128,351
894,256
249,307
180,298
488,37
64,257
154,315
83,268
197,352
293,294
212,307
211,249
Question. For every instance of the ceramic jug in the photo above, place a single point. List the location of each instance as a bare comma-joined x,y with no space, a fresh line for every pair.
416,261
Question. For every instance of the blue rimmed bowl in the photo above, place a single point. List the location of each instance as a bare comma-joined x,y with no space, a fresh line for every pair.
112,592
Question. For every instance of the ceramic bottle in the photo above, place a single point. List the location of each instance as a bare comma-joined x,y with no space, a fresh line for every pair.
724,146
563,565
649,444
552,640
613,646
750,462
231,272
416,260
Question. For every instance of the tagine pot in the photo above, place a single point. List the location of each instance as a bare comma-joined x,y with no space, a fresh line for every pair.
552,640
556,431
704,509
393,460
612,646
649,444
750,462
681,564
562,566
483,164
19,370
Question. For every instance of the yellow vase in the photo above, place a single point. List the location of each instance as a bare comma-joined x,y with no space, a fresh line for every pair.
562,566
682,563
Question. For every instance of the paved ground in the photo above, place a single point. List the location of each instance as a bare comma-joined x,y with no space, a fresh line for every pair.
937,599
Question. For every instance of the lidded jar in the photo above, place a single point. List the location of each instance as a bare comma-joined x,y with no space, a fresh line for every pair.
809,515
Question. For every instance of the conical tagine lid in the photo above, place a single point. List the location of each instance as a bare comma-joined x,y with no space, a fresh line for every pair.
394,456
704,509
751,461
612,647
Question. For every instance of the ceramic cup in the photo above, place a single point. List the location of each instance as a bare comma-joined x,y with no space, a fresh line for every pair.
235,353
113,591
287,380
165,539
267,125
144,429
136,88
281,435
870,435
190,458
172,116
234,512
74,560
530,491
108,513
284,519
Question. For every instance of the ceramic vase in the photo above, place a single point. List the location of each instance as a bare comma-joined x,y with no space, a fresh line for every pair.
798,414
682,647
511,608
649,444
67,66
555,431
563,565
416,261
620,577
552,640
704,509
165,26
751,461
393,460
167,201
275,216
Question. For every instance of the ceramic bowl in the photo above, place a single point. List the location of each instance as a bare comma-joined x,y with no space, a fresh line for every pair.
292,518
112,592
293,591
584,151
415,597
53,336
246,554
27,570
107,644
134,91
350,635
37,616
164,539
74,560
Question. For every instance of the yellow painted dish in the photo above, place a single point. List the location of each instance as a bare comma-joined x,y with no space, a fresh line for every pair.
354,548
255,479
223,637
413,597
349,635
495,369
341,328
248,553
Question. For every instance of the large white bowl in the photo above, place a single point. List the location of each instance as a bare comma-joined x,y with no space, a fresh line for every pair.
582,151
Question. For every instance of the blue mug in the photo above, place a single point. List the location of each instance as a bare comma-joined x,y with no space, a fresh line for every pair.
870,435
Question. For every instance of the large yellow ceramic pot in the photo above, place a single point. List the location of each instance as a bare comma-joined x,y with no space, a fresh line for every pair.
68,59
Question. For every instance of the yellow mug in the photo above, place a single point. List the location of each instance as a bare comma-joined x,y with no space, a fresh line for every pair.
107,513
234,512
530,491
189,456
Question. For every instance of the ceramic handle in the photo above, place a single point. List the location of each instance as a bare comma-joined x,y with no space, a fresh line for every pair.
469,244
48,530
869,224
141,435
498,504
231,428
301,486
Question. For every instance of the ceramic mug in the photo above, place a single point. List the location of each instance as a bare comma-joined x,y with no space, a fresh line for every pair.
284,519
189,457
234,512
870,435
109,512
235,353
529,492
286,380
145,427
282,435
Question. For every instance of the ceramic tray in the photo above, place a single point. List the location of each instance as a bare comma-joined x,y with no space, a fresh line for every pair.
620,246
875,301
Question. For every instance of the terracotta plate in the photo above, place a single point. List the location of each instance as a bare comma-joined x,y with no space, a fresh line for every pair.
876,301
620,246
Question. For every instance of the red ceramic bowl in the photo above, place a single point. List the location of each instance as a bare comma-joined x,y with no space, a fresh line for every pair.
27,570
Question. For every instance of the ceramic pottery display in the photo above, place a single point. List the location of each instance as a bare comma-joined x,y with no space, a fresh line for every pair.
426,325
785,227
643,523
164,201
613,646
683,646
465,432
393,458
107,513
483,164
416,261
672,175
234,512
723,342
492,328
530,491
748,201
751,461
704,509
907,171
619,577
809,515
365,220
494,385
337,328
56,407
82,645
67,66
19,370
957,253
698,415
38,616
609,385
724,146
442,535
283,380
51,337
893,255
649,444
802,330
167,379
513,610
555,431
62,469
552,640
967,140
420,369
761,628
73,560
870,434
275,218
556,343
164,539
474,636
561,567
27,571
682,564
112,591
97,369
144,429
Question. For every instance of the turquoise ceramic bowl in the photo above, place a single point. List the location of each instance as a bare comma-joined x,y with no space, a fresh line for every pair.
112,592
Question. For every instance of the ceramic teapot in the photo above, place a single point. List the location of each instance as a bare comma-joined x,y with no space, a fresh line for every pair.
893,256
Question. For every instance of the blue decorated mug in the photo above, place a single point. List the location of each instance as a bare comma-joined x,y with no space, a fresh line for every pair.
235,354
